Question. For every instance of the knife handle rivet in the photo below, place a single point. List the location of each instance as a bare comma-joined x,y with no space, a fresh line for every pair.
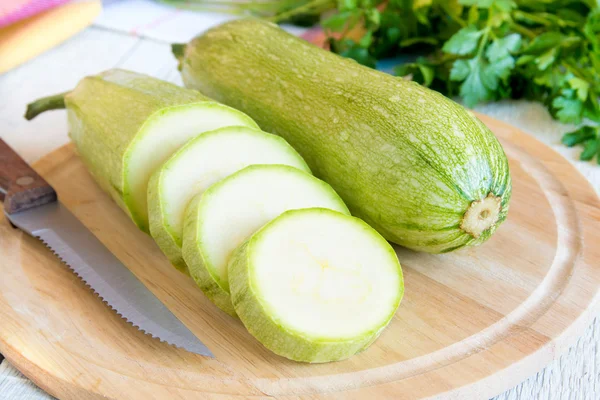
24,181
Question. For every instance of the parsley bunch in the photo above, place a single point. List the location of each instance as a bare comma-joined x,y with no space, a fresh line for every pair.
483,50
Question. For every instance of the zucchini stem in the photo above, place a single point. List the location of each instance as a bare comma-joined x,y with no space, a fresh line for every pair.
481,215
178,50
44,104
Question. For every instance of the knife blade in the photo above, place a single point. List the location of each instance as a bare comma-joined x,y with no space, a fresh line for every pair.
31,205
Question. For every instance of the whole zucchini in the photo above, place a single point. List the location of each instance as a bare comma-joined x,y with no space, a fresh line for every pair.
418,167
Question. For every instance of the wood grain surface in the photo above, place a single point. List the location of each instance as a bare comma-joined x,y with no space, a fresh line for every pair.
473,323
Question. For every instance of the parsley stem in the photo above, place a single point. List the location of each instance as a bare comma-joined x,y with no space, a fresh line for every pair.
314,6
523,31
573,69
486,34
538,17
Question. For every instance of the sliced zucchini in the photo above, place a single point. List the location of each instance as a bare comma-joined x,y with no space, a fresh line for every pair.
203,161
232,210
124,125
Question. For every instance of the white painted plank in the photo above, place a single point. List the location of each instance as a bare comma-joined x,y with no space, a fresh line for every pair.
162,22
154,59
157,21
15,386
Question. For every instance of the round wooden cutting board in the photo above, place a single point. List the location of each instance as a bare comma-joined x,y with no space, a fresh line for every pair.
472,323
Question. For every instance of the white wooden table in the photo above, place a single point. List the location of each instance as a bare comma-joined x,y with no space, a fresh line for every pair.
575,375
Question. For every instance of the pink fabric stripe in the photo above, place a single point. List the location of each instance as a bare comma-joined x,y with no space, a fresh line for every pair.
12,11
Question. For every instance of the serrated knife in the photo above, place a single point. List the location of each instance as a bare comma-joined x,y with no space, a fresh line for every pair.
31,205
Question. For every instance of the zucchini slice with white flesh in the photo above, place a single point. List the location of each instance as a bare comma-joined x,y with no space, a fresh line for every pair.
231,210
198,164
315,285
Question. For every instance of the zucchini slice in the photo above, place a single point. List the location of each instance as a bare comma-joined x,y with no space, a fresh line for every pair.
315,285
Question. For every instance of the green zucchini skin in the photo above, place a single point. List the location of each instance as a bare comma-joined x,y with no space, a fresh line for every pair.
404,158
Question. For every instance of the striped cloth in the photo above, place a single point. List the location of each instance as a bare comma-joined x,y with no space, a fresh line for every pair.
12,11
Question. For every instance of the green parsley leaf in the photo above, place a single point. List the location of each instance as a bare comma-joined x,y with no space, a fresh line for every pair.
419,71
344,5
592,108
460,70
578,136
366,40
589,138
372,17
591,148
581,87
338,22
420,4
360,55
569,109
427,73
568,15
544,42
505,5
503,47
464,41
473,90
497,71
546,59
591,28
477,3
525,59
473,15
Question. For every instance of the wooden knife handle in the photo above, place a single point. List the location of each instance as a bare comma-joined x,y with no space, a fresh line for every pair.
21,187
